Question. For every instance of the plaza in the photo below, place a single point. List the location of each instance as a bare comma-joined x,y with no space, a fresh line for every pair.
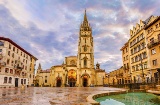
50,95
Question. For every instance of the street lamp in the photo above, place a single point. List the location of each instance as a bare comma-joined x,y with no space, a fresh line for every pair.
108,80
103,80
143,81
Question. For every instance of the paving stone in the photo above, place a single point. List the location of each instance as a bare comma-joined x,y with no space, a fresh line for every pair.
49,95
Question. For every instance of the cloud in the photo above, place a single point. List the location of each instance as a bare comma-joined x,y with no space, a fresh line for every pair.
50,29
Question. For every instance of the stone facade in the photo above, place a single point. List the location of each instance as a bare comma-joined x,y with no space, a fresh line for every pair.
79,70
16,64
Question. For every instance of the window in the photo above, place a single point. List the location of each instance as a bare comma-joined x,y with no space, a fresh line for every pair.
142,46
17,50
85,48
0,50
133,68
30,75
124,58
138,39
11,71
9,53
9,46
24,81
85,62
45,79
13,48
132,60
154,62
152,40
136,58
144,55
139,48
13,55
21,81
8,61
132,51
127,57
153,51
0,69
5,79
10,80
145,65
6,70
1,43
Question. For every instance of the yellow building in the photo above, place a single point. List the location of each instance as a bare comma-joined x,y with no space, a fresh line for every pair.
15,68
126,63
42,77
79,70
153,40
138,52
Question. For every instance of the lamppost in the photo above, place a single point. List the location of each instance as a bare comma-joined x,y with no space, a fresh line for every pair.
130,85
143,80
108,80
103,80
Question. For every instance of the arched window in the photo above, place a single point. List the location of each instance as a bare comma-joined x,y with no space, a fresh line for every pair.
5,79
85,62
85,48
21,81
24,81
10,80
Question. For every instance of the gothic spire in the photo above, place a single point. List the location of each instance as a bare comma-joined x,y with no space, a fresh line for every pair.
39,67
85,16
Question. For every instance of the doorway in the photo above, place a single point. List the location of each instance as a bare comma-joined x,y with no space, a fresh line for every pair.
85,82
59,82
72,82
16,82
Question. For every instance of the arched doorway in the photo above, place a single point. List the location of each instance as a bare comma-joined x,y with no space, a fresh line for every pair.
59,82
72,78
85,79
16,82
85,82
72,82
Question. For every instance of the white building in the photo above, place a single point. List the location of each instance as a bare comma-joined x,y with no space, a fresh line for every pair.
16,64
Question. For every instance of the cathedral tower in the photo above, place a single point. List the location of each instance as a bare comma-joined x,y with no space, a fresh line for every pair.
85,57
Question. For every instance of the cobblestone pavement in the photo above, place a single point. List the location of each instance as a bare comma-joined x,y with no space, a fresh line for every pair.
49,95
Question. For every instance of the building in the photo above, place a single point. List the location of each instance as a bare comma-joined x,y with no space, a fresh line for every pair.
138,52
79,70
126,63
16,64
42,77
153,45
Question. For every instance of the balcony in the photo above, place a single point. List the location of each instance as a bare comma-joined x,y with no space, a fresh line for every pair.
153,43
18,67
2,64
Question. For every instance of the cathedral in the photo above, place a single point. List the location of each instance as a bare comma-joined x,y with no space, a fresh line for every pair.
77,71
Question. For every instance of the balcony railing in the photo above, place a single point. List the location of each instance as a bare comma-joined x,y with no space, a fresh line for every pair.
17,67
153,43
2,64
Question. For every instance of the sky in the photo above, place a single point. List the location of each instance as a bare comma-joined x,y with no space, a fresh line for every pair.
49,29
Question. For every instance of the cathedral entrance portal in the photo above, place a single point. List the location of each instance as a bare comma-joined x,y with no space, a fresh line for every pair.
85,82
72,78
59,82
85,78
72,82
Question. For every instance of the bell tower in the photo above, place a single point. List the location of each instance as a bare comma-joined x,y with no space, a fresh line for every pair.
85,57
